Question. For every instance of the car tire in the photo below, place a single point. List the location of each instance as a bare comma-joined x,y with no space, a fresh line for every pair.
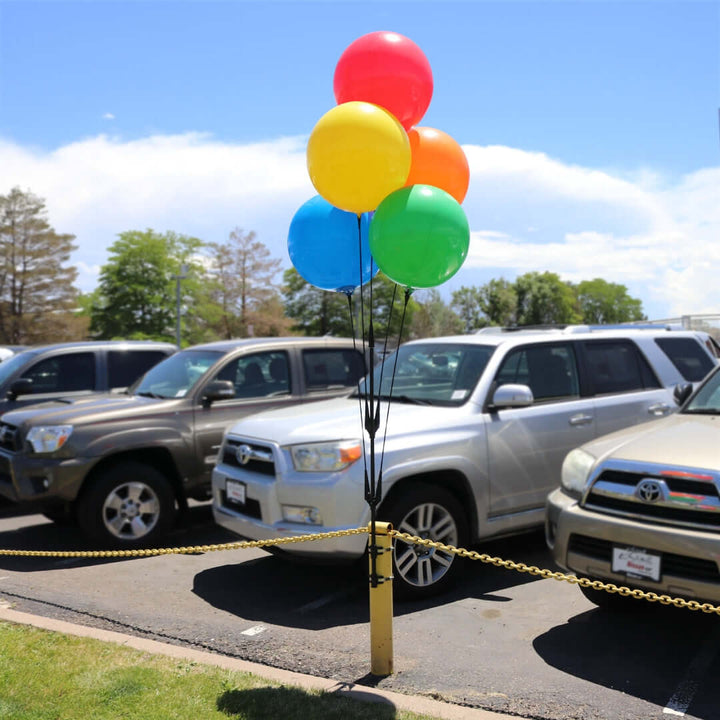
130,505
431,512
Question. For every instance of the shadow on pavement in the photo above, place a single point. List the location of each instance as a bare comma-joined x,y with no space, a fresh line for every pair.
645,651
286,592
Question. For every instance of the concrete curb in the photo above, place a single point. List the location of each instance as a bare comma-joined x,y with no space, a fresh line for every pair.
411,703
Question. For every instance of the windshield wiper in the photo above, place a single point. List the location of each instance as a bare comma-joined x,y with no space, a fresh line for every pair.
151,395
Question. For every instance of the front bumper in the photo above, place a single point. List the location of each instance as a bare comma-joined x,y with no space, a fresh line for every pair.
582,541
33,479
341,506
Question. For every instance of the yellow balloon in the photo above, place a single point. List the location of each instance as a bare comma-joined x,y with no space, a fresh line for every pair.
358,153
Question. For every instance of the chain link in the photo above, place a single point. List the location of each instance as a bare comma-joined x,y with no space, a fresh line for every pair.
189,550
636,593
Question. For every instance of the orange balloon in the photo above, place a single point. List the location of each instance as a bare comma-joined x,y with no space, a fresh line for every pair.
438,160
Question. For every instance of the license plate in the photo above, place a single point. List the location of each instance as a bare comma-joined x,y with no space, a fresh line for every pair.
235,491
636,562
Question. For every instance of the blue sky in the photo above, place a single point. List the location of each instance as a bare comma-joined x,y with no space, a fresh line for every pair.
591,128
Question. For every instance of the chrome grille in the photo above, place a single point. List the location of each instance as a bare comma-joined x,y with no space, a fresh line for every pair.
8,437
257,458
679,496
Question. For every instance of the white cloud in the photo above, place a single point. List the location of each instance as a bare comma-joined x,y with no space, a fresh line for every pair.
108,116
526,211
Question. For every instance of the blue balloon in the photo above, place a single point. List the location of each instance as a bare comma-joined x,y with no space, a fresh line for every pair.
325,249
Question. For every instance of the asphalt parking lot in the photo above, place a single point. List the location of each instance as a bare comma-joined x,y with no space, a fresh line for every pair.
502,641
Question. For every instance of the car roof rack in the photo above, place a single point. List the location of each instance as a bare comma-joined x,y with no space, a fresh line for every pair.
570,329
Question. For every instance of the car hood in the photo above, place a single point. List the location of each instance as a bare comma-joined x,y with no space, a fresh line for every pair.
91,409
340,419
689,440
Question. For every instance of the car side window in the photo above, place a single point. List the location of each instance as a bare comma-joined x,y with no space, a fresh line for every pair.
73,372
549,370
688,356
326,368
258,375
618,366
126,366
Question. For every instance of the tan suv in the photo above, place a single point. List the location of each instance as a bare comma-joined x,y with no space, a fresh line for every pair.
641,507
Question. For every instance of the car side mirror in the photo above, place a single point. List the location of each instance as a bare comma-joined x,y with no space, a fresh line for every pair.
512,395
218,390
22,386
682,392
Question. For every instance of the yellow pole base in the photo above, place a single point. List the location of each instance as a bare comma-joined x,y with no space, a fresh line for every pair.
381,603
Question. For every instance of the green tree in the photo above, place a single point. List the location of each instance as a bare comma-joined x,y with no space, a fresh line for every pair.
37,294
604,302
467,304
313,311
432,317
319,312
137,288
243,286
499,302
544,299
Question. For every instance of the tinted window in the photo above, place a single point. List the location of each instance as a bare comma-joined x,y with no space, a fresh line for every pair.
549,370
63,373
258,375
126,366
618,367
324,368
687,356
441,374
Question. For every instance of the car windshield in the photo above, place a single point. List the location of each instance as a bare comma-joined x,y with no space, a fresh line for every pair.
430,373
9,367
175,376
707,400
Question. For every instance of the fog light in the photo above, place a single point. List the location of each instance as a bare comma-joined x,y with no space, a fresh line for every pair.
298,514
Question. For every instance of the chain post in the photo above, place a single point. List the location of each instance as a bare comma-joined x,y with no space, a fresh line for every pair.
381,601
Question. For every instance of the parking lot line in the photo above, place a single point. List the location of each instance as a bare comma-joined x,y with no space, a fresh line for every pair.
685,692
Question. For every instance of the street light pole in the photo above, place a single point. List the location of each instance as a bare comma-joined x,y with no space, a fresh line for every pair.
181,276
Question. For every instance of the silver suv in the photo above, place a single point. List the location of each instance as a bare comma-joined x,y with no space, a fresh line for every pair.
473,432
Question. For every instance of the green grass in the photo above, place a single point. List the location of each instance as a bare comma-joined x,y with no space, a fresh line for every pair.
50,676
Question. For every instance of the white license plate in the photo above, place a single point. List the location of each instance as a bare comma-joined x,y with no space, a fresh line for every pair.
235,491
636,562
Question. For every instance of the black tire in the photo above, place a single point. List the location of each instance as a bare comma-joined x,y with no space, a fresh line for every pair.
428,511
612,602
130,505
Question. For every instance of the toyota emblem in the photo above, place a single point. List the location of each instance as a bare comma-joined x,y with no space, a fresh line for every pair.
244,454
649,491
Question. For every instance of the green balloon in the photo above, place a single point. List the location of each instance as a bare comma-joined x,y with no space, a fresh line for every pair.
419,236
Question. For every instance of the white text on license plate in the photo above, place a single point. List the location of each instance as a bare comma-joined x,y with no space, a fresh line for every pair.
636,562
235,491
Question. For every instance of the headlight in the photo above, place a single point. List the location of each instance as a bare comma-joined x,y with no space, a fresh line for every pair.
49,438
325,457
575,470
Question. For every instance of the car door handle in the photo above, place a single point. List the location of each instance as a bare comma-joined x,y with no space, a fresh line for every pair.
659,409
581,419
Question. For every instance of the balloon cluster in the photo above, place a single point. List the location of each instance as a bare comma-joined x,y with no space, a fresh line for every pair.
389,190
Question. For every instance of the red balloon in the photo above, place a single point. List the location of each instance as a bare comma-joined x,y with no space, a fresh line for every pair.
386,69
438,160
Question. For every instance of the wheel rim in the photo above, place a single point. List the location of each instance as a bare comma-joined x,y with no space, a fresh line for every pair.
422,566
131,511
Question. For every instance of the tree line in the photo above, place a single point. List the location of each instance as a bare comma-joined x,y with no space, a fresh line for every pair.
230,289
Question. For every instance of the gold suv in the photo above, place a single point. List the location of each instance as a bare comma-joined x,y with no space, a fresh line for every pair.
641,507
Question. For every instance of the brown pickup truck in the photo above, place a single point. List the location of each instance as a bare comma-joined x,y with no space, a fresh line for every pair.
122,465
